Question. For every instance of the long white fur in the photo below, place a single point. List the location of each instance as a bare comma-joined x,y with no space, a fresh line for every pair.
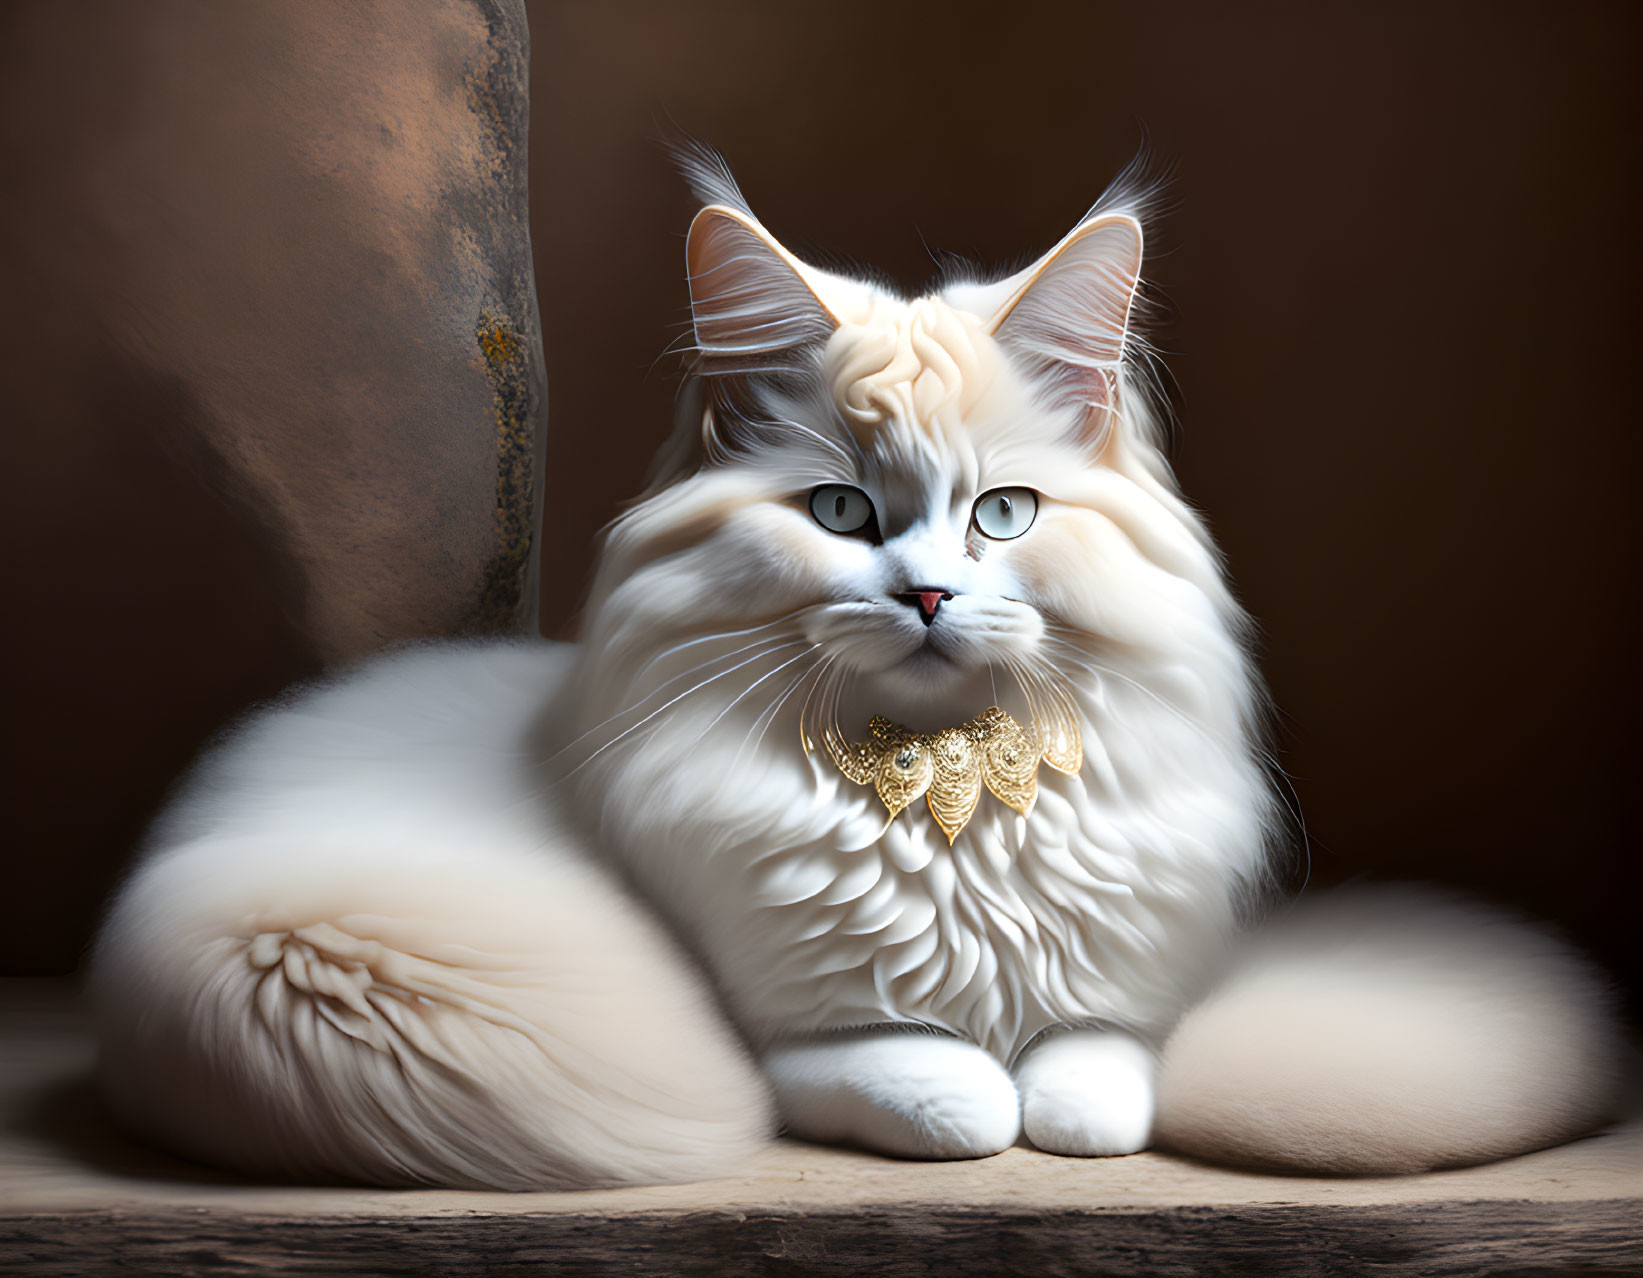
359,948
383,934
1106,903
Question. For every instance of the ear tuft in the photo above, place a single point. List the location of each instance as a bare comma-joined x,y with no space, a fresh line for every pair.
708,175
1068,318
750,299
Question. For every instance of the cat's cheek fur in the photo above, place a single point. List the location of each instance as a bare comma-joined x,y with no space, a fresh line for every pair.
1090,571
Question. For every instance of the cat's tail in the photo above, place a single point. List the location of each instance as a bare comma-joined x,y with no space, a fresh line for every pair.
1391,1029
444,1015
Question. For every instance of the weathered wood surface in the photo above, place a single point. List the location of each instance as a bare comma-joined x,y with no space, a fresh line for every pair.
75,1199
905,1242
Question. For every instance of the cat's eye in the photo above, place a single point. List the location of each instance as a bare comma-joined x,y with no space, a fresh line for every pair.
842,509
1006,512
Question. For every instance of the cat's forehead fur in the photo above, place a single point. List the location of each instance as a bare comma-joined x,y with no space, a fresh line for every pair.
920,365
930,400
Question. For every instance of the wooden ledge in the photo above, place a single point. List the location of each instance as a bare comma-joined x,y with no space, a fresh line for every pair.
75,1199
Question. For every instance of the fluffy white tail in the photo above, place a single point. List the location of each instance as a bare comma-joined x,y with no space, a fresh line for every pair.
488,1020
1391,1029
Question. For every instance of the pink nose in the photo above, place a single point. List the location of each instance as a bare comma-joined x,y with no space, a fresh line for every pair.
928,601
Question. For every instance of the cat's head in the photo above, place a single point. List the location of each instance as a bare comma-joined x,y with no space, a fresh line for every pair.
936,499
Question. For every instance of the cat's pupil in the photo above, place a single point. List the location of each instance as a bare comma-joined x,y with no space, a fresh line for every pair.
838,506
1004,507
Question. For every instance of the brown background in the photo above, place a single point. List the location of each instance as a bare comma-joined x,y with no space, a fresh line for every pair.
1404,279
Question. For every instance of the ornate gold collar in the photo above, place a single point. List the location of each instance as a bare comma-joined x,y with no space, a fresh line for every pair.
952,765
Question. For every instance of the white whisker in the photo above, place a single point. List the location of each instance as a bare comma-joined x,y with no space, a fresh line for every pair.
740,696
659,690
674,701
762,724
724,634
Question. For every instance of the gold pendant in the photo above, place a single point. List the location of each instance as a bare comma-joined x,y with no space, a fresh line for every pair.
951,766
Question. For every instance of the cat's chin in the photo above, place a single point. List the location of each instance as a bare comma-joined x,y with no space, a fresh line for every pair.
924,691
926,672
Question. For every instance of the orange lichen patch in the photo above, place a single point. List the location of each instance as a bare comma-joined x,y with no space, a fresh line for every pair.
498,341
506,363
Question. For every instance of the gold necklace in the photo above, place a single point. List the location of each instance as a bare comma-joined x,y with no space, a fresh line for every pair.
952,765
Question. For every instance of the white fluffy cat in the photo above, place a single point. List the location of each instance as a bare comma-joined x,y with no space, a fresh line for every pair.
525,915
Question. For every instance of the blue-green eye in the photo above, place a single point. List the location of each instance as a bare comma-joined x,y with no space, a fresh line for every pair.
1006,512
840,508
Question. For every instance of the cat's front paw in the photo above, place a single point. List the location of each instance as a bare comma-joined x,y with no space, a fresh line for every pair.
1087,1094
912,1095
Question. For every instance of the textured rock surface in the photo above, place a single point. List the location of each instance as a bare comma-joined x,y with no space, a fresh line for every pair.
273,381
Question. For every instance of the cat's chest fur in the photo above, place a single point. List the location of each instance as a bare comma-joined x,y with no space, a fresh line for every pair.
815,912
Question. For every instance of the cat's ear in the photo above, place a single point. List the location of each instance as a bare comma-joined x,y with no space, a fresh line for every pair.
1067,316
754,304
